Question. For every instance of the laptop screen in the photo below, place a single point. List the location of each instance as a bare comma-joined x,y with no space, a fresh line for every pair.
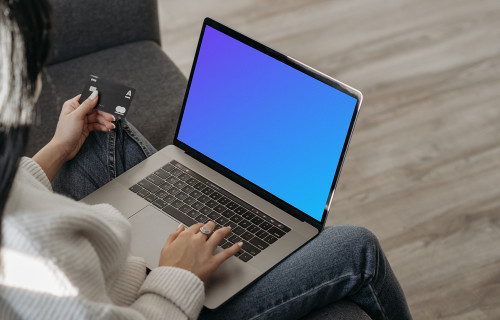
266,121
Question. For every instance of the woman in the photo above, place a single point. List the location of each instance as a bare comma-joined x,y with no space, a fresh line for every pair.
61,259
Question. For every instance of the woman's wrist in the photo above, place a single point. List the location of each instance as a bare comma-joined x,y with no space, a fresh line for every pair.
51,158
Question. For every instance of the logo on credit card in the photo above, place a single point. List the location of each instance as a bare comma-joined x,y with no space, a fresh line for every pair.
120,110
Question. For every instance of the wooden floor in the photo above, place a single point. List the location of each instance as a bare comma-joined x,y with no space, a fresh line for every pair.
423,168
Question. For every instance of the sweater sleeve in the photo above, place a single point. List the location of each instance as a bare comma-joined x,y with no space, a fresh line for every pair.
36,171
180,292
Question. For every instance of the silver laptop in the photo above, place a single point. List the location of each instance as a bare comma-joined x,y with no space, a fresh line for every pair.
259,146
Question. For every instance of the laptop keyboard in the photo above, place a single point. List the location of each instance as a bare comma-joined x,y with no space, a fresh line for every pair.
190,198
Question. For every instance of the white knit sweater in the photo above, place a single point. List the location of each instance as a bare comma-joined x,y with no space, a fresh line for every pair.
62,259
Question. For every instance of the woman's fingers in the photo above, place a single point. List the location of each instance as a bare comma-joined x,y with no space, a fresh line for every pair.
175,234
227,253
109,117
217,237
96,126
101,118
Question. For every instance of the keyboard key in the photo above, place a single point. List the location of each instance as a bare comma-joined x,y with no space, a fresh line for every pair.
197,205
215,195
195,194
233,225
226,245
143,193
173,190
180,184
245,257
259,243
193,213
238,230
278,233
191,181
187,189
257,220
161,193
234,238
168,167
148,186
169,198
165,186
240,210
171,179
205,210
176,172
176,204
261,234
227,213
207,191
250,249
160,203
265,225
213,215
185,208
244,223
179,215
223,200
199,186
162,173
253,229
211,203
203,199
181,196
155,179
135,188
270,239
184,176
231,205
247,236
248,215
236,218
189,200
220,208
222,221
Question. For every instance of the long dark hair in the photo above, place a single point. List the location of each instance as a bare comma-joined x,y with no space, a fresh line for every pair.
25,28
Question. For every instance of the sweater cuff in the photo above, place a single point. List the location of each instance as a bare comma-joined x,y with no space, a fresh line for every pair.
35,170
180,286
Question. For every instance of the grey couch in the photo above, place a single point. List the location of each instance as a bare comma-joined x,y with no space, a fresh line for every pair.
120,40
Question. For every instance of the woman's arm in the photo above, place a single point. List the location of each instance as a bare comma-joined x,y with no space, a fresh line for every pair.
75,123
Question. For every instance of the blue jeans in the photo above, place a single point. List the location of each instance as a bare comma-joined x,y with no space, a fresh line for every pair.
342,262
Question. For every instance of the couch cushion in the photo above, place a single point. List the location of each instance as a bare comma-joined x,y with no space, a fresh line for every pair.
82,27
142,65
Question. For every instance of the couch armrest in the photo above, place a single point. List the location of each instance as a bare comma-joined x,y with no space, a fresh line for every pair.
85,26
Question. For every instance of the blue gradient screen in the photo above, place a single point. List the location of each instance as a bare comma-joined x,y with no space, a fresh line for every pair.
273,125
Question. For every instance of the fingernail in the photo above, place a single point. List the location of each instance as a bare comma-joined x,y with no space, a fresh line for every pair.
229,227
114,127
114,119
93,95
240,244
180,226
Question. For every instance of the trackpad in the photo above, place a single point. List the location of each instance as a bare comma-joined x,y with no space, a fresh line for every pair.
150,230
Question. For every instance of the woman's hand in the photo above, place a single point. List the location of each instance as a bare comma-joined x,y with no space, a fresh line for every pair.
190,249
75,123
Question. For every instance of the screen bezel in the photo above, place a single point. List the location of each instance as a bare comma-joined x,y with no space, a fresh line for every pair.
239,179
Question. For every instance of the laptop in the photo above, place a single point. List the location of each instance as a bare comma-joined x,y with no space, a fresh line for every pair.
259,146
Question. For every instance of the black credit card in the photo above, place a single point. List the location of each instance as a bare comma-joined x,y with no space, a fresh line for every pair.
114,98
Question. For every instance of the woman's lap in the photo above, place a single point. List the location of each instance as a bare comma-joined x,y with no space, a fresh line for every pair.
103,157
341,262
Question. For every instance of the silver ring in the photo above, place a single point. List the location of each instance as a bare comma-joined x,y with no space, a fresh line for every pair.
206,231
